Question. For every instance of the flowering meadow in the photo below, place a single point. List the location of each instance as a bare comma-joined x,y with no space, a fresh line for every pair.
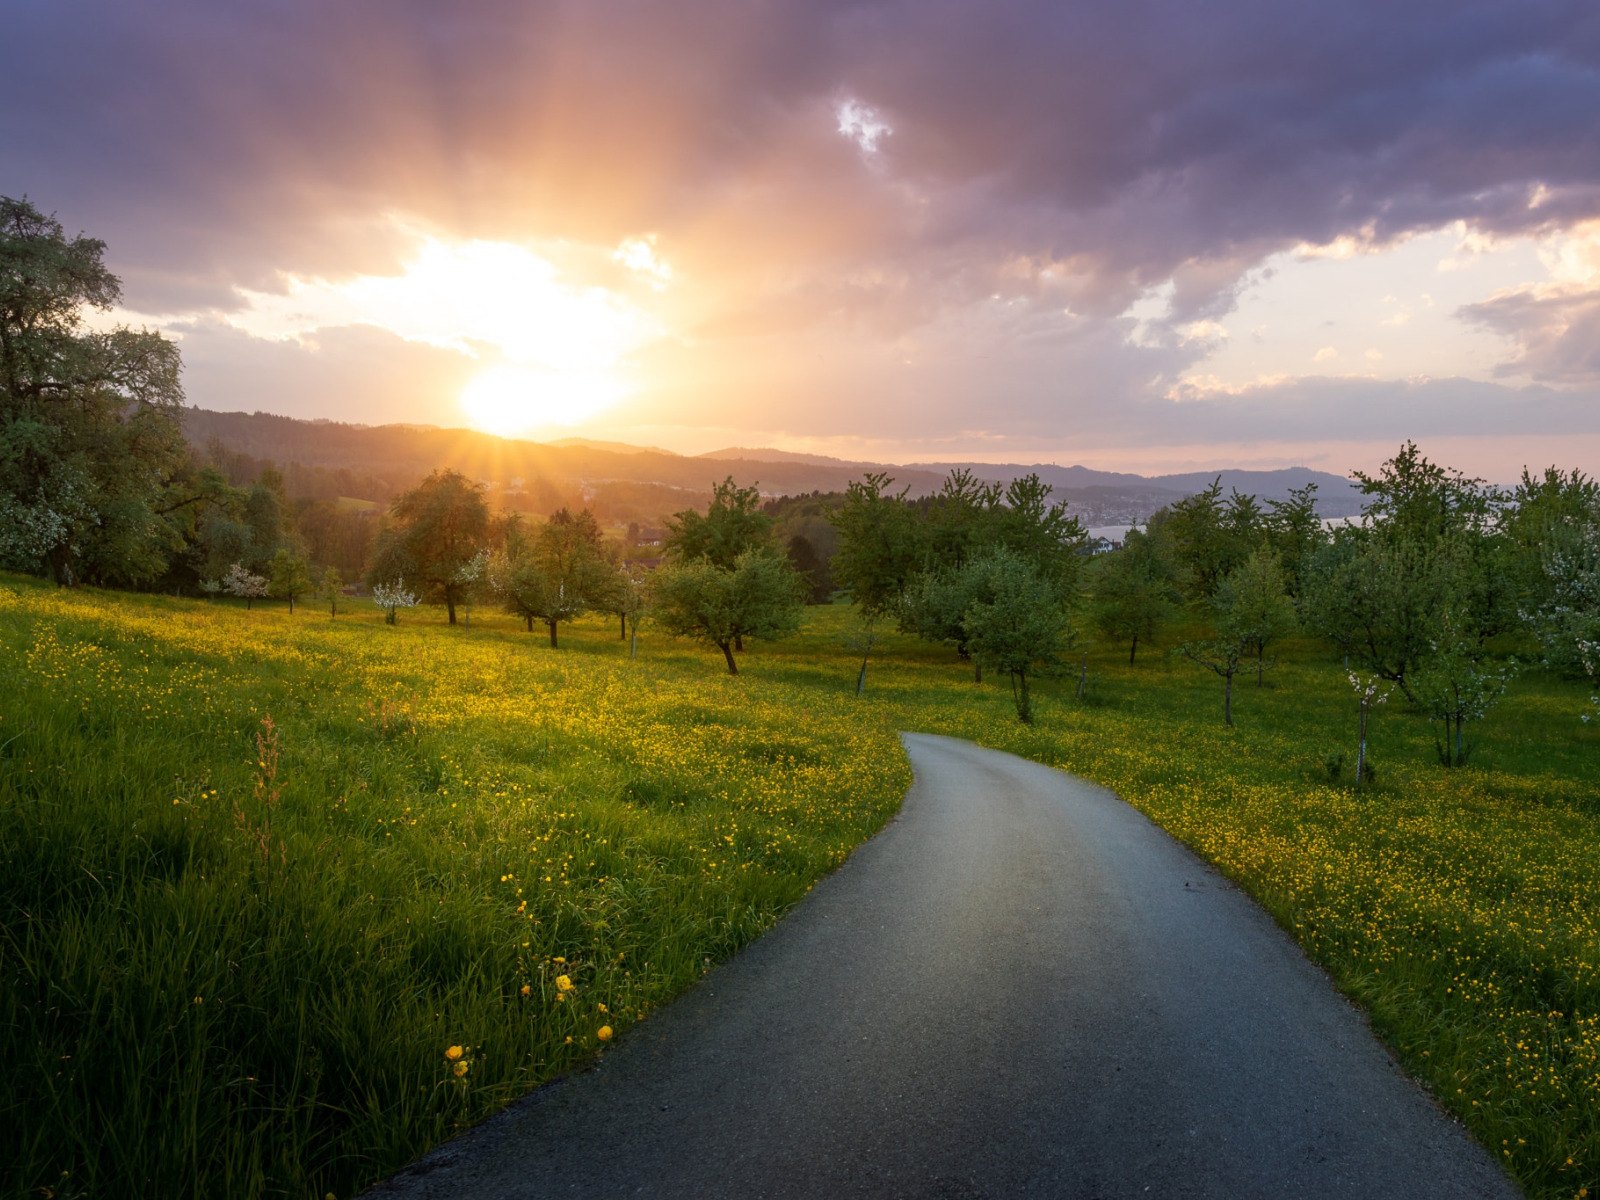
287,900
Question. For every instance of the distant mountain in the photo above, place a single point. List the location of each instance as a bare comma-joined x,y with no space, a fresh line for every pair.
745,454
614,447
639,483
1336,495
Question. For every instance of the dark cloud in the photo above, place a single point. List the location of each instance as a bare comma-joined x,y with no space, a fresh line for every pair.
213,143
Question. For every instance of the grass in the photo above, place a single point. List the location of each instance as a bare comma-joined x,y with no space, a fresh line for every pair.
225,972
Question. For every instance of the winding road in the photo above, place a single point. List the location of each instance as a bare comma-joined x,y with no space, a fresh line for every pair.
1020,988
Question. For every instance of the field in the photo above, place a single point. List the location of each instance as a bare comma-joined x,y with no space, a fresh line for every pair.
288,900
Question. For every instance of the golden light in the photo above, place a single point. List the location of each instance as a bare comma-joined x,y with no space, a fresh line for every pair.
515,399
561,346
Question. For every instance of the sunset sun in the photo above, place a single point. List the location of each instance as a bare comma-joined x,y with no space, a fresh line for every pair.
510,400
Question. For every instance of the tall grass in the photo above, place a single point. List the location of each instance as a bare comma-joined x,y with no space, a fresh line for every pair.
225,976
258,874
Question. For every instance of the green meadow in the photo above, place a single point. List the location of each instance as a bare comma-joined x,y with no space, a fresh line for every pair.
288,900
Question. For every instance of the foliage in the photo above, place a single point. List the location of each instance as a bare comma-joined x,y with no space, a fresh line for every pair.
391,597
733,525
1455,686
244,584
330,586
935,606
438,527
291,577
760,597
1252,603
812,569
1294,532
881,545
563,572
92,457
1018,624
1134,591
1377,600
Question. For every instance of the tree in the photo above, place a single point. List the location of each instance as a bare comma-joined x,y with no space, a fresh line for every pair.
1418,501
244,584
959,520
808,564
761,597
1221,655
291,576
438,527
861,639
630,601
1250,610
881,545
1134,591
391,597
1041,533
733,525
471,576
1367,696
1021,627
1454,686
1205,538
1253,601
92,458
1294,531
330,585
563,573
1566,615
935,606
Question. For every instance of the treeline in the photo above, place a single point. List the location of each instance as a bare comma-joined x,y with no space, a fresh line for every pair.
1438,572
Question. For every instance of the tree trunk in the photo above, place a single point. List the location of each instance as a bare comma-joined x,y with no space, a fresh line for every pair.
291,604
1024,704
529,616
1227,700
738,642
623,617
977,670
1459,721
1133,649
552,625
727,653
1261,664
1361,748
450,607
247,603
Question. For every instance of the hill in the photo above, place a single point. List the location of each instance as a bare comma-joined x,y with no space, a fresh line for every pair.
625,483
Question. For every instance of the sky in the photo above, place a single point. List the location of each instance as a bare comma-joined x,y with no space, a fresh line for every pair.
1156,235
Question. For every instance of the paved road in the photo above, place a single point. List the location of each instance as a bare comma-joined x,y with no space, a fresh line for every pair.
1020,988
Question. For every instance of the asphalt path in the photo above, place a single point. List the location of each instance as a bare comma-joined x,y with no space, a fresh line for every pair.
1020,988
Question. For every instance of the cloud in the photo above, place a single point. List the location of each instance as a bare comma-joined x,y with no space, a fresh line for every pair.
1556,333
1068,159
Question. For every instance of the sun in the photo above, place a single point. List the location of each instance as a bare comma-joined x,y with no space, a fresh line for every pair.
509,400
